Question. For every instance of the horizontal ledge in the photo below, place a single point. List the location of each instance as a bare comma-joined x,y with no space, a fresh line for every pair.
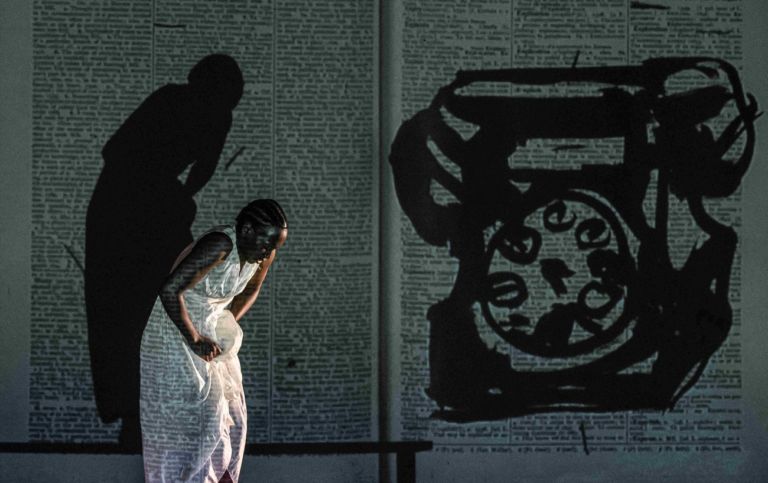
338,448
363,447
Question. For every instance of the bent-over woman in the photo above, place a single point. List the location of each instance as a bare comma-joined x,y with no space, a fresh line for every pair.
193,414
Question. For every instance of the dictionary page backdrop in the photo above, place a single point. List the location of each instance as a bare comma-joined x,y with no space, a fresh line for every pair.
470,373
303,133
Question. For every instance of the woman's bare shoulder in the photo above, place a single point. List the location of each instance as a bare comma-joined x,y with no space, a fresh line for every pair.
216,241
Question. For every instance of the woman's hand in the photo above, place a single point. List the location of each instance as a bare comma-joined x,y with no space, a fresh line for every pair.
204,347
245,299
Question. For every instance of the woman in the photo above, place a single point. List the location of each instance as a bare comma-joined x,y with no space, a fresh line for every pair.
193,414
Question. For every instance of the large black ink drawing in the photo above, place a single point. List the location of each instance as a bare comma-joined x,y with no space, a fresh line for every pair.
638,332
139,220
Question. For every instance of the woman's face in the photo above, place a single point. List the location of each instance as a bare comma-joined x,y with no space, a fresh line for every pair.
255,242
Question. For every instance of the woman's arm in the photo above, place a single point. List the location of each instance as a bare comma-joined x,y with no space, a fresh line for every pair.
208,252
243,301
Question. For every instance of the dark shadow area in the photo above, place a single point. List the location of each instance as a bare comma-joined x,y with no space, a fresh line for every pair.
636,309
139,220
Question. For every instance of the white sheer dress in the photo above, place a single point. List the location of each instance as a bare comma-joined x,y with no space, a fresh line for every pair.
193,414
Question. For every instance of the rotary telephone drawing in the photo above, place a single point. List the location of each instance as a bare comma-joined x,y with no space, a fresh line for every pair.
569,267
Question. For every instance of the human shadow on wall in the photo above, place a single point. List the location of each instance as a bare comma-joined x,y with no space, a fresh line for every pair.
139,219
543,254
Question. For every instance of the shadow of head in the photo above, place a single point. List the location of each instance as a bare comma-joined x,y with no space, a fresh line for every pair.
218,78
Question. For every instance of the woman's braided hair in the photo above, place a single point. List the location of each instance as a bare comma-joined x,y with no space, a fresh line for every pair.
263,212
